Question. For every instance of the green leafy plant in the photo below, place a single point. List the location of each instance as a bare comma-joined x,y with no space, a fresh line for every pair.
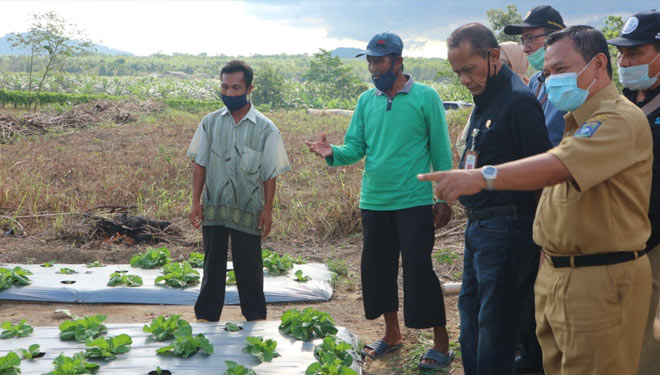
263,350
77,364
338,266
84,328
196,259
117,278
338,348
151,258
275,264
300,260
329,364
48,264
300,277
185,344
94,264
307,324
31,352
231,327
164,328
66,271
15,276
231,277
22,329
178,275
446,256
10,364
234,368
108,348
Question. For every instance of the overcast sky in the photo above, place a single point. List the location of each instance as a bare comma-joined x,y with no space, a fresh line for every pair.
272,27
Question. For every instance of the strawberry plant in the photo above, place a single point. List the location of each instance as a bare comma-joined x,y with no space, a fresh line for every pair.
108,348
10,364
277,265
82,329
31,352
307,324
73,365
234,368
117,278
329,364
48,264
300,277
66,271
21,329
196,259
151,258
231,277
15,276
178,275
339,349
263,350
95,263
300,260
231,327
185,344
164,328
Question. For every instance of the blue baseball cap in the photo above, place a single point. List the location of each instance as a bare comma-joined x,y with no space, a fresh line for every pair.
641,28
383,44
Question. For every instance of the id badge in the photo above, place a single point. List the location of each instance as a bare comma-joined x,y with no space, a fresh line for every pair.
470,159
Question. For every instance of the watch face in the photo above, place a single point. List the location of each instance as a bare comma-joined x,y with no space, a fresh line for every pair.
489,171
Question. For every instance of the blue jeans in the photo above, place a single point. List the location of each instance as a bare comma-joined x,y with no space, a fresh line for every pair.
489,302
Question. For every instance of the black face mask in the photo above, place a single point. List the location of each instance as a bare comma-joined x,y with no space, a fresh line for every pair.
234,102
490,79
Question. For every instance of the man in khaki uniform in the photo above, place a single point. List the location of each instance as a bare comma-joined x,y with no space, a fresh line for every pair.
592,292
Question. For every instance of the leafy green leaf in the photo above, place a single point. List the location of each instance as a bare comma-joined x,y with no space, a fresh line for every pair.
275,264
185,344
22,329
48,264
196,259
300,277
31,352
66,271
338,348
231,277
164,328
151,258
95,263
15,276
108,348
178,275
231,327
307,324
10,364
117,278
73,365
234,368
84,328
263,350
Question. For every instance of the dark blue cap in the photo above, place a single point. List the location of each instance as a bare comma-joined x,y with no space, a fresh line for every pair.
383,44
641,28
540,16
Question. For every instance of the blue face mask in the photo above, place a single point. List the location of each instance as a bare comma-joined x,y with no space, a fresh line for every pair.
536,59
564,92
234,102
637,77
386,81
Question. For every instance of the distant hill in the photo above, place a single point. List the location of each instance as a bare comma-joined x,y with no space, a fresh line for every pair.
6,49
343,52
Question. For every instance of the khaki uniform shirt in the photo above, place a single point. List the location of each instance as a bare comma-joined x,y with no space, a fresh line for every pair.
239,158
607,148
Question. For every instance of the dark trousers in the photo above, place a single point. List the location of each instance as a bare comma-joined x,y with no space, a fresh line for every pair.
248,268
490,299
528,267
408,232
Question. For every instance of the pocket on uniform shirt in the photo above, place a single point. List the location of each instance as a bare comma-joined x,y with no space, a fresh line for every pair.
250,160
565,192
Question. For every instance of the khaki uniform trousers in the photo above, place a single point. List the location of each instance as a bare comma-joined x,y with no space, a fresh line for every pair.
649,362
590,320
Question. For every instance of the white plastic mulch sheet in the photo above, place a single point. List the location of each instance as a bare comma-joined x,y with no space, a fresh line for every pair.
296,355
90,286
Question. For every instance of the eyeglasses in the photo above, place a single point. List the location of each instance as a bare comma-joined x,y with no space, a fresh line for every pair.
527,40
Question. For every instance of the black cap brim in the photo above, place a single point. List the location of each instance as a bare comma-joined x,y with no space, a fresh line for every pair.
628,42
371,52
517,28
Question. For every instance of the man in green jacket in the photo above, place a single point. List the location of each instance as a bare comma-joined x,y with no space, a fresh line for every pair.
400,127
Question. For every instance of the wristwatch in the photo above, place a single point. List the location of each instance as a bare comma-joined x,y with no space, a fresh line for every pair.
490,174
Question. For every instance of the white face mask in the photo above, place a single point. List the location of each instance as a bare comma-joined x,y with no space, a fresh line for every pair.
637,77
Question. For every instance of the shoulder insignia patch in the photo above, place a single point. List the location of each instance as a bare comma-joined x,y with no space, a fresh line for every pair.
587,129
657,120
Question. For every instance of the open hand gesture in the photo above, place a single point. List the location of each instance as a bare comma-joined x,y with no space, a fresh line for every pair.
321,148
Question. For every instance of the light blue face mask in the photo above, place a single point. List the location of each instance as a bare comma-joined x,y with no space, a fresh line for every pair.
564,92
536,59
637,77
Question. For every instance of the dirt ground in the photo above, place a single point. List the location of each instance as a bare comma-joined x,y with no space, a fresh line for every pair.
345,306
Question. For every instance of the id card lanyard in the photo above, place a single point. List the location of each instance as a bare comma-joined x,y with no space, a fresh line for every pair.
471,155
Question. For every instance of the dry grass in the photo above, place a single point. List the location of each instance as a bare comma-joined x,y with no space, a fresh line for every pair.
143,164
